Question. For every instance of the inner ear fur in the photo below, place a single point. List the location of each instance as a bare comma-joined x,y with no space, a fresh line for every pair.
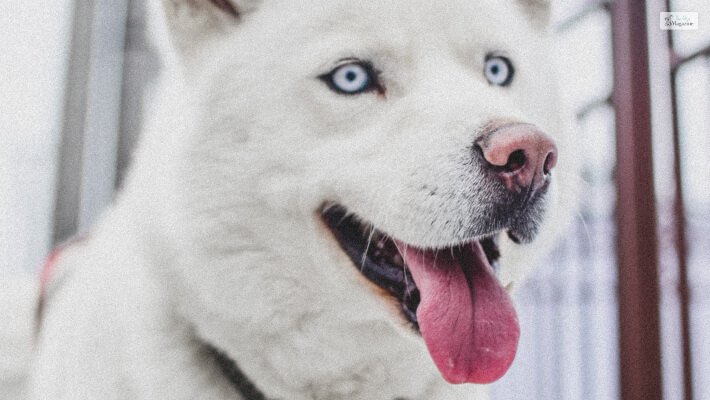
193,21
538,10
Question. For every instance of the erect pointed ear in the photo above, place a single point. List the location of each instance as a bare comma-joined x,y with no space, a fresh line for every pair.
193,21
538,11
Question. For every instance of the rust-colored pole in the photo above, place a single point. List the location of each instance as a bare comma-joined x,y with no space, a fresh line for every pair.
637,239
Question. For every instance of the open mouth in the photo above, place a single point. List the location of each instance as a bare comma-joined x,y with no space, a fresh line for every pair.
452,296
380,260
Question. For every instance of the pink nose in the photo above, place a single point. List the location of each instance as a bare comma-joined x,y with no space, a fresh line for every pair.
521,155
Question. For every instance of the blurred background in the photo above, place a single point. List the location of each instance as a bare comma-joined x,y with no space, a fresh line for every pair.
74,78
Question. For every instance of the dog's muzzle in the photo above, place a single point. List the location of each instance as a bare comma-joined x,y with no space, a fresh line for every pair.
516,160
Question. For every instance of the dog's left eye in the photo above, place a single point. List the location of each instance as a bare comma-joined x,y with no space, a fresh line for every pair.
352,78
499,70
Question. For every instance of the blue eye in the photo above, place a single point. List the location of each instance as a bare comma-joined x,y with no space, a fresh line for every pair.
498,70
352,78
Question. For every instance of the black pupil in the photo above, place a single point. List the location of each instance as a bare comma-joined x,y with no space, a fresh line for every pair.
495,69
351,76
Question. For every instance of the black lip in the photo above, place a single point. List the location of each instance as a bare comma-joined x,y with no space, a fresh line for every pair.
376,264
380,261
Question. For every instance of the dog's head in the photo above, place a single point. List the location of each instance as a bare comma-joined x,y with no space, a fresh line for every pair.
356,163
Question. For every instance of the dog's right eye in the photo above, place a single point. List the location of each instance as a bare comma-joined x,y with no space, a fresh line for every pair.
352,77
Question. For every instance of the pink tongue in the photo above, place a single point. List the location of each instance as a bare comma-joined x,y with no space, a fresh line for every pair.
466,317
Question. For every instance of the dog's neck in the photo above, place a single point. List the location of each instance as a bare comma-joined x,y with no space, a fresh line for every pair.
236,377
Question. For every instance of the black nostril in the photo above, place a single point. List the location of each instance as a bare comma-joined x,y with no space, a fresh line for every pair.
520,155
550,162
516,161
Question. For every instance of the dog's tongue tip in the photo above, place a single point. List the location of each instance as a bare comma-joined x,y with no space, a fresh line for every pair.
466,317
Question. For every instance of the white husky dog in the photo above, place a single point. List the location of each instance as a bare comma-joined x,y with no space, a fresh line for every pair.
329,205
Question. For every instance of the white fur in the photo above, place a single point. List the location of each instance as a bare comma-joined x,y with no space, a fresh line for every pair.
216,233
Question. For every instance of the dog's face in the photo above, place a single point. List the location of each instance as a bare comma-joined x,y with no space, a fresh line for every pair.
372,164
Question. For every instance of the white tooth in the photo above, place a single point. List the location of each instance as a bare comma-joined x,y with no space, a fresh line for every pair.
397,260
509,288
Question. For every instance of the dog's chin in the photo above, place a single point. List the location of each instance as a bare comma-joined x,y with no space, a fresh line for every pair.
380,257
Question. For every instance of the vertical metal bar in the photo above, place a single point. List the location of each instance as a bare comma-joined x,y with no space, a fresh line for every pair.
67,201
681,251
637,247
103,109
87,159
141,67
680,231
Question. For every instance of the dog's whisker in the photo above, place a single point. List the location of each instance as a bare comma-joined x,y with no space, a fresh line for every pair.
367,247
585,226
404,262
327,206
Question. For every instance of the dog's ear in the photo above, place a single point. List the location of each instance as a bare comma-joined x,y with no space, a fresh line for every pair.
193,21
538,10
